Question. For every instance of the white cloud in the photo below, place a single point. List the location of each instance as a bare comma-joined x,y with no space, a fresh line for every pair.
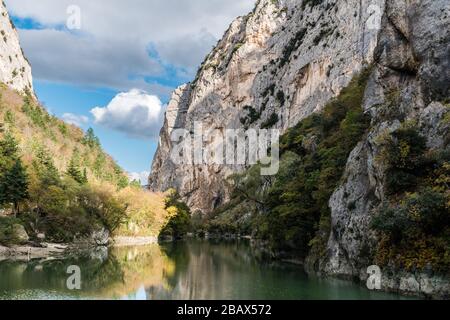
110,50
74,119
140,176
135,113
186,51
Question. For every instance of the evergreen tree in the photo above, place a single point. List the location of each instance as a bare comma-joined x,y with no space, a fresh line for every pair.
9,148
9,118
85,177
14,185
45,176
13,176
74,171
91,139
45,168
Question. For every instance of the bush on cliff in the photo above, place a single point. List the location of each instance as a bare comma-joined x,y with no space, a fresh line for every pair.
414,223
297,202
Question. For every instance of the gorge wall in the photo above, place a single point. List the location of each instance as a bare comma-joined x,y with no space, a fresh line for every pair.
284,58
15,70
289,59
409,84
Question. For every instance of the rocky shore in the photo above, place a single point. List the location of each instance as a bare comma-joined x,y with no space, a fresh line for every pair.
28,252
52,250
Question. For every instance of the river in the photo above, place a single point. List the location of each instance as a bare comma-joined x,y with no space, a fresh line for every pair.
182,270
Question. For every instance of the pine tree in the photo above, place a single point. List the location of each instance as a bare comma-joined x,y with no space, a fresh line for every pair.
74,171
9,148
45,176
85,177
14,185
13,176
91,139
45,168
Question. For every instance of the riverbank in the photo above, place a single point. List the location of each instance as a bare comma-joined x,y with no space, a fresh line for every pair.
54,250
133,241
28,252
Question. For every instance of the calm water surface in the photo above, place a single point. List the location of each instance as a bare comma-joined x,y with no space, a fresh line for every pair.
184,270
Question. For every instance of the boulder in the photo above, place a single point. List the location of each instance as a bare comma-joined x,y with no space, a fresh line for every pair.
100,237
19,233
40,236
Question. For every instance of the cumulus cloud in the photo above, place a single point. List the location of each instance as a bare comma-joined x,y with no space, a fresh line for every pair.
140,176
135,113
110,50
74,119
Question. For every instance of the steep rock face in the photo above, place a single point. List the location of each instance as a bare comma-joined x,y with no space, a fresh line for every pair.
412,64
15,71
290,58
285,59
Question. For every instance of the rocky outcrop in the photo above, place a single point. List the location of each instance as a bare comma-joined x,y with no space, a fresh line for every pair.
27,253
285,59
100,237
409,83
15,70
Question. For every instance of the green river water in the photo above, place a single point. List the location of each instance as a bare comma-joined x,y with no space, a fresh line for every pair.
183,270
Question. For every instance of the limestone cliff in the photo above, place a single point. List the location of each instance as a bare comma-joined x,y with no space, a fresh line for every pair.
284,58
15,71
412,64
290,58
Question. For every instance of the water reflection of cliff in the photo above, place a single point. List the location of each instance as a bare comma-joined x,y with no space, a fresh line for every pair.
209,271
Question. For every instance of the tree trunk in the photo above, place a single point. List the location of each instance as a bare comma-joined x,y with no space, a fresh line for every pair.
16,209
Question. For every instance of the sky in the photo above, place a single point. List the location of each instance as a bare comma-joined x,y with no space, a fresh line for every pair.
112,64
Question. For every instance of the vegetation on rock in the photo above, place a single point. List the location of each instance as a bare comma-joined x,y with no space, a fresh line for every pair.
414,223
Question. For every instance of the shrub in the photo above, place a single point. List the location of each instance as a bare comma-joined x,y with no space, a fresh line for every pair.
7,235
271,121
422,217
392,221
252,116
292,45
311,3
281,98
9,118
179,217
404,153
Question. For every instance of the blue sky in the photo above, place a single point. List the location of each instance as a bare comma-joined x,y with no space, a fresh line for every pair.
133,154
116,72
